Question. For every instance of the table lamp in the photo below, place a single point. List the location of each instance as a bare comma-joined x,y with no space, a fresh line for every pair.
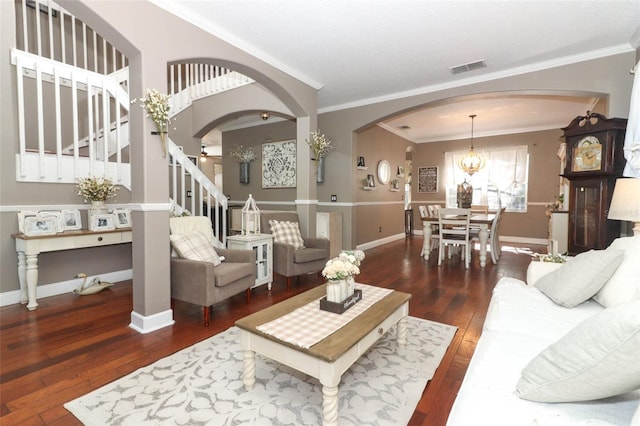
625,203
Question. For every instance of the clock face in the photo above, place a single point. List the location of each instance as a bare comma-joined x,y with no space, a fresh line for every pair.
587,155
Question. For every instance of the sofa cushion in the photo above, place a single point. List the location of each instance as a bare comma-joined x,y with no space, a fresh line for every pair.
230,272
624,284
597,359
194,246
286,232
309,255
580,278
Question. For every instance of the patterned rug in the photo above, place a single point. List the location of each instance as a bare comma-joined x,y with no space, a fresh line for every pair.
202,385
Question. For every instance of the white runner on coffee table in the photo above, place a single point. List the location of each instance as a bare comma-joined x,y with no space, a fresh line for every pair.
307,325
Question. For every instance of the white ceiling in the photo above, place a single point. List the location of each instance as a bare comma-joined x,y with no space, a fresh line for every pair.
357,52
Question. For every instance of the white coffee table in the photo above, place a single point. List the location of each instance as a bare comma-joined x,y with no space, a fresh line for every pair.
328,359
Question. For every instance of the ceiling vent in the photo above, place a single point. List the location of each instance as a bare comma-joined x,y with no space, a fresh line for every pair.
468,67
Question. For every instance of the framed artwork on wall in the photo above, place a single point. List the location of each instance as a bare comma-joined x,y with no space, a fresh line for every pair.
279,164
428,179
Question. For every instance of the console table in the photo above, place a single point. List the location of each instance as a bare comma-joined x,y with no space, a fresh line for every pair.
29,247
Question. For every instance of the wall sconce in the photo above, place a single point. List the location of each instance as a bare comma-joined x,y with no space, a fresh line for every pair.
265,115
250,217
625,203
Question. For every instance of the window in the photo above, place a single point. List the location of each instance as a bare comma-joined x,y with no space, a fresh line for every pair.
502,182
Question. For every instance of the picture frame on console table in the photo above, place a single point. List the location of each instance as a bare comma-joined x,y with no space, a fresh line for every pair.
53,213
37,225
123,218
22,215
102,222
71,220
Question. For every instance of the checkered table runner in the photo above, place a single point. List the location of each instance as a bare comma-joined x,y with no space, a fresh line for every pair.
307,325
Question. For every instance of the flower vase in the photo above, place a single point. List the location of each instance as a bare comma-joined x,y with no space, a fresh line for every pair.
163,141
320,170
97,207
351,286
334,291
244,172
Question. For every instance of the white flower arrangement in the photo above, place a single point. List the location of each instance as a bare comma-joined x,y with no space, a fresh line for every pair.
339,269
354,256
96,188
157,106
320,145
240,154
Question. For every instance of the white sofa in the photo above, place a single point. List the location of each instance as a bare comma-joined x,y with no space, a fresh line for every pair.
522,322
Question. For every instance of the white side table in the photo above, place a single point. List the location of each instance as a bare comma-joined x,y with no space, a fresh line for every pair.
262,245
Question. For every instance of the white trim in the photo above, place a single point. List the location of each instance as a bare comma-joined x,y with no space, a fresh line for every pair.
149,207
147,324
378,203
306,202
540,66
381,241
56,289
335,204
524,240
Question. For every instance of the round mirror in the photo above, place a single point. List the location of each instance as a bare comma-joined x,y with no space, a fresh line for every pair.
384,172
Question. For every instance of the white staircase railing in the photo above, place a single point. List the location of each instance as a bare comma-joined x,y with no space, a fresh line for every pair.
191,190
191,81
83,101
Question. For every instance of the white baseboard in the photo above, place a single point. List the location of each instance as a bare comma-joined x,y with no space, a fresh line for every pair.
154,322
55,289
381,241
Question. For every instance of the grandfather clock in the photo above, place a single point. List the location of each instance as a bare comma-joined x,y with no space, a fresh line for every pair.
594,160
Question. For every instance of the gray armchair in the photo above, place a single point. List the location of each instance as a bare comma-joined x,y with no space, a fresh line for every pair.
204,284
289,262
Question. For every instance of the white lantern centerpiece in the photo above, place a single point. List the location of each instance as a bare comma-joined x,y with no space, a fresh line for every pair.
250,217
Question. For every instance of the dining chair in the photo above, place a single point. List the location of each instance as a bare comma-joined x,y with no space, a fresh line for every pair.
493,241
479,209
431,211
454,231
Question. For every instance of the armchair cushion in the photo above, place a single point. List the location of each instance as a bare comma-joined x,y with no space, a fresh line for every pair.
287,232
194,246
229,272
307,254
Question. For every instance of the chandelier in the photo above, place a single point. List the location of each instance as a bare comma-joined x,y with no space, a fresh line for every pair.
471,162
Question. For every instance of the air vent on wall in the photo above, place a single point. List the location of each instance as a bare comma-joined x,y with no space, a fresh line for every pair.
468,67
404,127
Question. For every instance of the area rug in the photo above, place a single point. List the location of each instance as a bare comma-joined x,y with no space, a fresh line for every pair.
202,385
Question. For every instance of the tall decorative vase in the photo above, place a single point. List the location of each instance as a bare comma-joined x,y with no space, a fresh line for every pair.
97,207
334,290
320,170
244,172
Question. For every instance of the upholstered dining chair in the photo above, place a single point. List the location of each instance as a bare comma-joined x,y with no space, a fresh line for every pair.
454,231
494,237
293,254
204,275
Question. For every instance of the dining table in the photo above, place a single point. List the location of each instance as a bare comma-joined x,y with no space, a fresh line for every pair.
481,221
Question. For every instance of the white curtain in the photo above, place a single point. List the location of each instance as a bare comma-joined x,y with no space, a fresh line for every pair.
506,170
632,138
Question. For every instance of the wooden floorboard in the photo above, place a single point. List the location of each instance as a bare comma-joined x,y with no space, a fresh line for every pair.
74,344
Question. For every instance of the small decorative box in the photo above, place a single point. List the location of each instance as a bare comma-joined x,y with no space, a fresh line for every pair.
341,307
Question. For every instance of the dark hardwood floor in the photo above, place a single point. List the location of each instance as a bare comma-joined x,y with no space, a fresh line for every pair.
73,344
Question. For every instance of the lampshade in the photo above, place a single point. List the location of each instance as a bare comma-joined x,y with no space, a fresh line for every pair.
250,217
472,161
625,203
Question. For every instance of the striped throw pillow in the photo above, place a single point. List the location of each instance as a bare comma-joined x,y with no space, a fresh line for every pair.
286,232
195,247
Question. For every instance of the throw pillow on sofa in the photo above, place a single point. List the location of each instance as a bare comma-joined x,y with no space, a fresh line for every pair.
195,247
286,232
581,277
624,284
599,358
